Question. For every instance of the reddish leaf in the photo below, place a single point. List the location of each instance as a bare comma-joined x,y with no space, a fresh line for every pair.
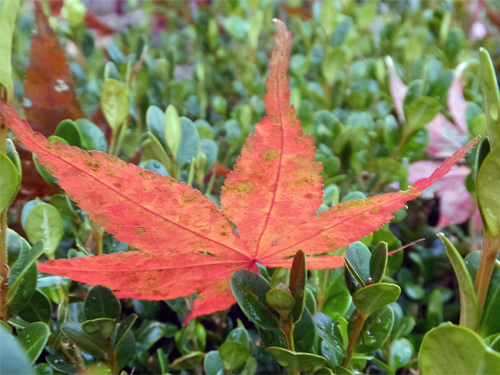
186,242
93,22
49,95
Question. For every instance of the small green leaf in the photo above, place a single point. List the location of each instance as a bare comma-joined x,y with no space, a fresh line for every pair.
68,131
172,129
233,354
305,333
114,103
357,259
124,328
13,359
24,273
491,97
10,180
150,332
375,296
59,363
92,137
101,302
333,63
332,346
213,364
126,350
33,339
13,155
401,353
44,223
490,323
75,333
341,31
155,121
153,149
188,362
296,362
250,292
453,44
376,330
468,300
8,16
38,309
190,143
378,262
450,350
101,328
487,192
420,112
240,335
281,301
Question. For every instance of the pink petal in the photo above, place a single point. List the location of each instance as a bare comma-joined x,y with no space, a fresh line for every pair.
455,203
456,101
446,138
398,89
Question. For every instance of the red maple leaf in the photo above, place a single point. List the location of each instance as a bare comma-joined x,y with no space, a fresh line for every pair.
187,244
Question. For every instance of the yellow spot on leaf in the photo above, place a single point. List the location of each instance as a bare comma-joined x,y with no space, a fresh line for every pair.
271,154
245,187
139,230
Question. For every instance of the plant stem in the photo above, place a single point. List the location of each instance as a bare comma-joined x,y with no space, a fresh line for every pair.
4,265
322,290
287,329
112,142
360,321
98,236
486,263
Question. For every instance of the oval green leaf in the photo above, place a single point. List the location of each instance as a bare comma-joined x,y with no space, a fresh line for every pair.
487,191
33,339
420,112
378,262
101,302
44,223
233,354
114,103
38,309
375,296
250,292
68,131
296,362
10,180
469,315
491,96
376,330
101,328
450,350
13,358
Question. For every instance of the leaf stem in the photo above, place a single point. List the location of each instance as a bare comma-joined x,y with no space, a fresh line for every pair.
360,321
484,271
287,329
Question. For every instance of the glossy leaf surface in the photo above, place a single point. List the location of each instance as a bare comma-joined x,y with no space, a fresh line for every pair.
451,350
469,315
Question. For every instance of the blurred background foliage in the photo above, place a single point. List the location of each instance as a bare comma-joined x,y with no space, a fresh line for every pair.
361,74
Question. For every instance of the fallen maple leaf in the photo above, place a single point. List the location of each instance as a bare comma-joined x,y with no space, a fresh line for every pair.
187,244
